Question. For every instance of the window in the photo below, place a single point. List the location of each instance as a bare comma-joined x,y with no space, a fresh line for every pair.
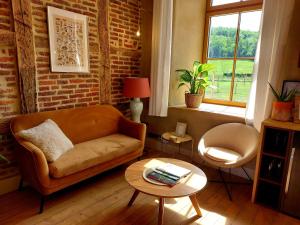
232,30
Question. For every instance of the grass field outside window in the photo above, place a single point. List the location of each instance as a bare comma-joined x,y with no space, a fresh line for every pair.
231,41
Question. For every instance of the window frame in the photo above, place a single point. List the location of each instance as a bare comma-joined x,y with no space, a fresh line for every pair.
226,9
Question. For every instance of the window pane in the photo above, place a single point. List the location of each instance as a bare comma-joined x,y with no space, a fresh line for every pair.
249,32
222,36
221,79
222,2
243,80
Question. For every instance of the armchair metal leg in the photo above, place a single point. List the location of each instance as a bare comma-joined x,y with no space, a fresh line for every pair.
249,178
225,184
20,188
42,203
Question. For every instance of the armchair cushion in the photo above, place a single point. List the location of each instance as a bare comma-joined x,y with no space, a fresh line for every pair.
49,138
91,153
222,154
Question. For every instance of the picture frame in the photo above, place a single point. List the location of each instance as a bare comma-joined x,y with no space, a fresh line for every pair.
68,40
180,129
291,84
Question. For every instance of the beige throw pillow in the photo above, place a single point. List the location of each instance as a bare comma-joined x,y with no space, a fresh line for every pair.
49,138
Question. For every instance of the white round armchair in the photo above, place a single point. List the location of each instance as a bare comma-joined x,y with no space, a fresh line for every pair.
229,145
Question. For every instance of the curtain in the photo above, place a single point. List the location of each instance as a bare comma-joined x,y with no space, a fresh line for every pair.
161,57
276,19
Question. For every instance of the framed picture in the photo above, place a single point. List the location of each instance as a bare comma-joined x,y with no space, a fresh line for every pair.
68,37
297,109
180,129
290,85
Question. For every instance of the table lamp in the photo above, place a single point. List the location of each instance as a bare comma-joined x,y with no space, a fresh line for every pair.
136,88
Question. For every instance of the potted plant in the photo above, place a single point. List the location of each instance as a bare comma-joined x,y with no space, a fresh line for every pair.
282,108
196,80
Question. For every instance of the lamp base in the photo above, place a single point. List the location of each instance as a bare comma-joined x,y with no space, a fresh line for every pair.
136,107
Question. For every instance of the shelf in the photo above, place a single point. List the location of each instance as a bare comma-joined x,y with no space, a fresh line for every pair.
282,125
272,168
273,155
268,194
270,181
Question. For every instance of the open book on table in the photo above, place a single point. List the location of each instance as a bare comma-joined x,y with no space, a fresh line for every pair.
173,170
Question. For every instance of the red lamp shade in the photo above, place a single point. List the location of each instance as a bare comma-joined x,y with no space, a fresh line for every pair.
136,87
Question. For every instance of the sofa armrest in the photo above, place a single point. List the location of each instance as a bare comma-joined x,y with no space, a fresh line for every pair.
33,164
132,129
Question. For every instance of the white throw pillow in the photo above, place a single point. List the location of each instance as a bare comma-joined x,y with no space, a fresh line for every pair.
49,138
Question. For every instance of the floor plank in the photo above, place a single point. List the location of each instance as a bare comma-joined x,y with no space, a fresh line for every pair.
103,200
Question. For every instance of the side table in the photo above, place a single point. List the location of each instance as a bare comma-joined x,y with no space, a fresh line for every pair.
171,136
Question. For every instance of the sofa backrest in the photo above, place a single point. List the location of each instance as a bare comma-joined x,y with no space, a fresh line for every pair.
79,124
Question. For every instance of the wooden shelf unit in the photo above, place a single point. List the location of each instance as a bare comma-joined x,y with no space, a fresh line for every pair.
272,164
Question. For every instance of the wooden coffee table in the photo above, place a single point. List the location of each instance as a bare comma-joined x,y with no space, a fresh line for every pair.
189,186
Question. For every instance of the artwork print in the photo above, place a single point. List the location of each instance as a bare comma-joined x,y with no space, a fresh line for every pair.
68,41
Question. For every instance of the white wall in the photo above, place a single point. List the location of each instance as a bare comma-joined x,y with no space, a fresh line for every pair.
188,33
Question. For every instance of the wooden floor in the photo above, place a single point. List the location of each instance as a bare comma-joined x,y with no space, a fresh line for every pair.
103,200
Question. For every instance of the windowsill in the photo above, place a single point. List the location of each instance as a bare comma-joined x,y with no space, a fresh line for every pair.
217,109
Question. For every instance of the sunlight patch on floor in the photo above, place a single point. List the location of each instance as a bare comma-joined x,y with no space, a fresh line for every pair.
184,207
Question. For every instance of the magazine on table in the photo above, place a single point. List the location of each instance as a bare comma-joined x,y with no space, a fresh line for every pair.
168,174
162,178
173,170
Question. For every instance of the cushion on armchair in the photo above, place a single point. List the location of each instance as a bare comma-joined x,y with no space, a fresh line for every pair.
49,138
222,154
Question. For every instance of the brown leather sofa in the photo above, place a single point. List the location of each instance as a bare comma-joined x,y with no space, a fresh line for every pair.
103,138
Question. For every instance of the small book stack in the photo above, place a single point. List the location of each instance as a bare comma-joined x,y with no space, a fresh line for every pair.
168,174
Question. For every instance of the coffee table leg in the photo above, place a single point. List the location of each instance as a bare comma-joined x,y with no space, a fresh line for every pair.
161,211
135,194
195,203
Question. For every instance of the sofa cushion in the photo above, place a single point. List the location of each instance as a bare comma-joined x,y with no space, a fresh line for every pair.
49,138
91,153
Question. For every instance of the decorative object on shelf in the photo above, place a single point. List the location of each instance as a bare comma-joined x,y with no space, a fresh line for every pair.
282,108
68,37
181,129
3,158
136,88
297,109
289,85
197,81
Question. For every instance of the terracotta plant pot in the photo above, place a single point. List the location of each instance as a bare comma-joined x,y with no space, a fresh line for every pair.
282,111
193,100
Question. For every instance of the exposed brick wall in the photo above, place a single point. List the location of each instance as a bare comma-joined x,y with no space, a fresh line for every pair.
68,90
5,15
9,106
125,46
9,97
65,90
9,102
